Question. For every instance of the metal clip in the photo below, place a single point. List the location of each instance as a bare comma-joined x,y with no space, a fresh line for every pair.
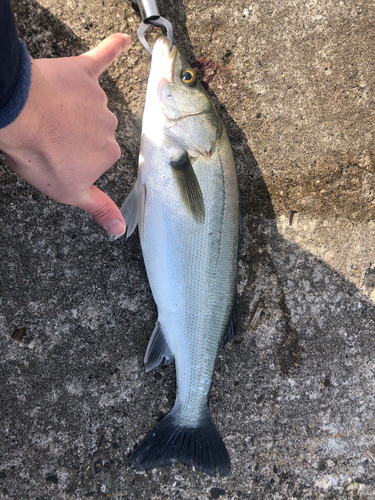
150,16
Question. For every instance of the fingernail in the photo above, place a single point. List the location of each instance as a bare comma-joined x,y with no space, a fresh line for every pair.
127,38
116,227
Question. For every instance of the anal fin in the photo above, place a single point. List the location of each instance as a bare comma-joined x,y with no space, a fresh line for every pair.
157,349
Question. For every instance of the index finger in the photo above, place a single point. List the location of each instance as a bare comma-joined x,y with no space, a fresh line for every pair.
106,52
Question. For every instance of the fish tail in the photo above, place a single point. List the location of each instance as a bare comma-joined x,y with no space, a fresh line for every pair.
171,442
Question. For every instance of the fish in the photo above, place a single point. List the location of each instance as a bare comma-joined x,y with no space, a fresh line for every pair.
186,205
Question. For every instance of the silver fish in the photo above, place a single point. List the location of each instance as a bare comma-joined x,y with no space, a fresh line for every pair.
186,205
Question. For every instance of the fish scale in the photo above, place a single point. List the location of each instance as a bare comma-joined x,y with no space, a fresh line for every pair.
186,203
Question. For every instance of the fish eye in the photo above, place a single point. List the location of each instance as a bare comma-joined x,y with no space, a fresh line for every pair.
189,77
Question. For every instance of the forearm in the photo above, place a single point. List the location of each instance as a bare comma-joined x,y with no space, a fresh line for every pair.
15,68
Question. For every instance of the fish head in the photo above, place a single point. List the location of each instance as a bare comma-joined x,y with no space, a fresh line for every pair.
179,90
190,121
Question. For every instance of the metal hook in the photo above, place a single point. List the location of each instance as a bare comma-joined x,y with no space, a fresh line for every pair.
160,21
150,16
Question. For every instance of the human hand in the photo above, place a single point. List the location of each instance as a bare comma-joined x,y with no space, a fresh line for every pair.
63,140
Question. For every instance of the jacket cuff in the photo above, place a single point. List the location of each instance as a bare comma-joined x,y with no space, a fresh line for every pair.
16,103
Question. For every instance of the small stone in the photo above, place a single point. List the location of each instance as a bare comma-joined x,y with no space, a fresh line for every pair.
322,465
260,399
351,487
53,478
293,218
216,492
98,466
100,442
290,487
18,334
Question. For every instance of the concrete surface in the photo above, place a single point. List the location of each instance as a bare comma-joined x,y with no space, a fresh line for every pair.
293,394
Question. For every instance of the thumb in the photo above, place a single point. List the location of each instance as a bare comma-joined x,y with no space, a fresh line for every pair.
105,53
103,210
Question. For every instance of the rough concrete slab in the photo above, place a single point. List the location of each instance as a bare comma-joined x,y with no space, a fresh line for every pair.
293,393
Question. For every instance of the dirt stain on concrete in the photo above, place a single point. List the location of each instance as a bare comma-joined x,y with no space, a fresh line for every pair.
340,185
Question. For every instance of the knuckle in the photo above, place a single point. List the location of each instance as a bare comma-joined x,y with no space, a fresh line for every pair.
111,123
102,96
114,120
115,153
102,212
111,154
109,52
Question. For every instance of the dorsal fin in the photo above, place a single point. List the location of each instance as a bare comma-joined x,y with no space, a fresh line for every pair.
233,327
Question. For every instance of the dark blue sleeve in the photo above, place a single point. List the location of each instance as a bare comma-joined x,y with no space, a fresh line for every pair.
15,68
9,53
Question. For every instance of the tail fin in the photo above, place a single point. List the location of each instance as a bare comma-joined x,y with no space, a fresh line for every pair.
170,442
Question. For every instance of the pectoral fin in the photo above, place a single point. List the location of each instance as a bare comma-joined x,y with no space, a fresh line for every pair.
189,187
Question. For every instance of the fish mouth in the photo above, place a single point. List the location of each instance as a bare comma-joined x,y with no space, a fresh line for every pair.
163,59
